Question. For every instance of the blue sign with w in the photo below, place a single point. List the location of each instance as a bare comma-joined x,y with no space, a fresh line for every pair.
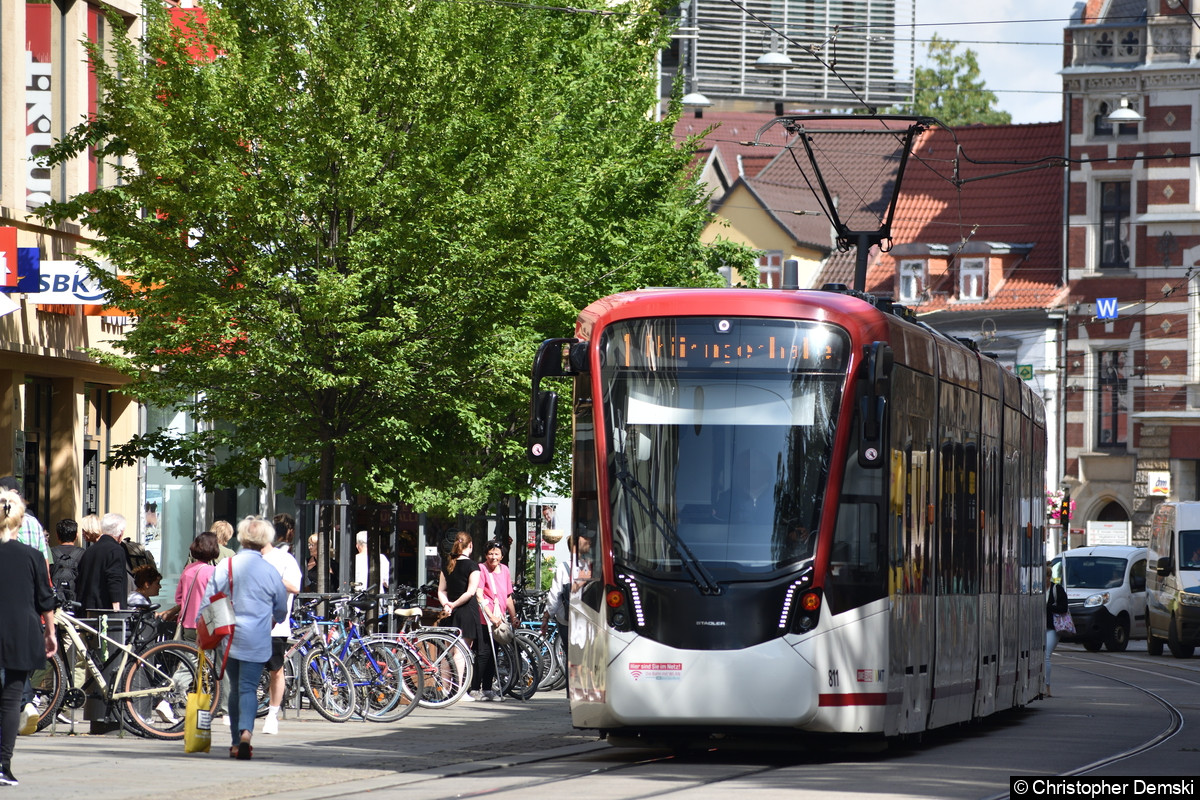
1106,308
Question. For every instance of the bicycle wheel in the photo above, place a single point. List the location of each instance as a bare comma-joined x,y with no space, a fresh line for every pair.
394,683
162,680
328,685
517,669
558,644
263,693
49,689
448,665
547,664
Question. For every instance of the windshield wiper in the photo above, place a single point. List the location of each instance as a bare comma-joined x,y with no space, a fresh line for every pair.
699,574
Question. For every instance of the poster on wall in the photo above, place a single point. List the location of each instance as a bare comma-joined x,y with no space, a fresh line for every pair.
542,526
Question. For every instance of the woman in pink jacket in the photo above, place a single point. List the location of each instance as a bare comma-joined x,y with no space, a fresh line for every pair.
189,594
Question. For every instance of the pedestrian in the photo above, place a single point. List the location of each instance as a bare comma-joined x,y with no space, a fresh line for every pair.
495,603
103,579
189,592
1056,603
64,573
458,587
259,601
90,525
224,532
27,637
31,533
285,564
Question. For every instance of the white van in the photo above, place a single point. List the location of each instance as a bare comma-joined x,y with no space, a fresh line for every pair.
1106,592
1173,591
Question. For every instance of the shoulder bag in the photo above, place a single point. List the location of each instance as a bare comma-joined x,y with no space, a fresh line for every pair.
217,622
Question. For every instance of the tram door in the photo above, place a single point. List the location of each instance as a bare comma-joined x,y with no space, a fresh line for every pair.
910,632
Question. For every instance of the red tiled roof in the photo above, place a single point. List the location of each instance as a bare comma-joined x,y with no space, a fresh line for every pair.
1022,208
730,132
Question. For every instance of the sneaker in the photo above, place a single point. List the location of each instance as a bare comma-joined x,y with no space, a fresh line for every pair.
470,697
271,725
6,776
164,712
29,720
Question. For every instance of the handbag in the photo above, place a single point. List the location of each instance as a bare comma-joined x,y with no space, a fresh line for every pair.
502,632
217,622
1063,623
197,719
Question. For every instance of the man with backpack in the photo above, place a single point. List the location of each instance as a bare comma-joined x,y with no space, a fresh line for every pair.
64,572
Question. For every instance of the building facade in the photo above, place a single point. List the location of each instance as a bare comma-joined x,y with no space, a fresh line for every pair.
1132,364
60,411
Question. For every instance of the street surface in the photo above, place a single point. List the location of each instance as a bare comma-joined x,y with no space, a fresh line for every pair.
1105,705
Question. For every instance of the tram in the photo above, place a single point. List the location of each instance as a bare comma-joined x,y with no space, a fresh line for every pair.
793,511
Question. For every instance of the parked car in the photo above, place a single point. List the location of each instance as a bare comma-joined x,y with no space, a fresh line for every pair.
1173,593
1106,593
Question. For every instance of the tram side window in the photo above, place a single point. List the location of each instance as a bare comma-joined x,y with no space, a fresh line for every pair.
857,573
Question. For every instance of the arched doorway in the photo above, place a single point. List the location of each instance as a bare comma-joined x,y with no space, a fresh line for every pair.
1112,512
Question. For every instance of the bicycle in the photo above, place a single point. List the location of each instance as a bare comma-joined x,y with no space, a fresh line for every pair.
389,681
446,662
146,686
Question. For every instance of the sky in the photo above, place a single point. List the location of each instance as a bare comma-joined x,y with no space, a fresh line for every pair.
1017,44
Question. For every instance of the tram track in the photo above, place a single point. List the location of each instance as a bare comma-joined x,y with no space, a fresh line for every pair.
959,761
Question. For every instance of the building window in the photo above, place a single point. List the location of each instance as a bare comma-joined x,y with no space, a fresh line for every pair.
912,281
1114,224
1113,399
972,279
770,269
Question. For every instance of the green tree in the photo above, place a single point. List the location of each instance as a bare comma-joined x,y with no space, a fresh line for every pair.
343,227
950,90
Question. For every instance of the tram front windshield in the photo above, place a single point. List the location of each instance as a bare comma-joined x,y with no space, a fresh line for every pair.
720,436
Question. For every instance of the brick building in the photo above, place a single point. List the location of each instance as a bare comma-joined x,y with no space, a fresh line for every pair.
1132,363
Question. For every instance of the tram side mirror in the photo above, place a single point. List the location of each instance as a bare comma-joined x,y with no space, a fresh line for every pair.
1164,566
543,406
876,386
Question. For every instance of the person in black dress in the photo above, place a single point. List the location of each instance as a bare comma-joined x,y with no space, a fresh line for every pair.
458,584
27,637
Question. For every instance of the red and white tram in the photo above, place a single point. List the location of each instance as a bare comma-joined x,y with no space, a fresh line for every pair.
794,510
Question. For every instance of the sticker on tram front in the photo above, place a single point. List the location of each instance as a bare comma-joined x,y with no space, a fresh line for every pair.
870,676
655,671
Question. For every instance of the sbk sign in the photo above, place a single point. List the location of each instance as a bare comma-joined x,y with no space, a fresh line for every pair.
68,283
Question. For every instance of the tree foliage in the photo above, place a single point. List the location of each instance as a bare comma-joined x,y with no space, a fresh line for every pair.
950,89
345,230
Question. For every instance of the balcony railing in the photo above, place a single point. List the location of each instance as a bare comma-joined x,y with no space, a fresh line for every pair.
1109,45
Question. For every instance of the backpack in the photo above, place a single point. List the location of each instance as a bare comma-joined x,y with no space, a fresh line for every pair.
64,572
136,555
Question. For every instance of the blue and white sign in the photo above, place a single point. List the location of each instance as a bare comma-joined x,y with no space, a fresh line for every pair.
1106,308
68,283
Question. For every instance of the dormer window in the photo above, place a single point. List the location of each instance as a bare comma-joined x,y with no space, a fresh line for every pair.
972,279
912,281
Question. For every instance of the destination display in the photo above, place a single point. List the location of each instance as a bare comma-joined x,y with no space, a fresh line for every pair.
776,345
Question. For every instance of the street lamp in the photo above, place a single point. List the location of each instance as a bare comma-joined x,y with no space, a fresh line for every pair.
1125,114
773,61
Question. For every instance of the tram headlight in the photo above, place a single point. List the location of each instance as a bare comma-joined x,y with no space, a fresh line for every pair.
1099,599
807,613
